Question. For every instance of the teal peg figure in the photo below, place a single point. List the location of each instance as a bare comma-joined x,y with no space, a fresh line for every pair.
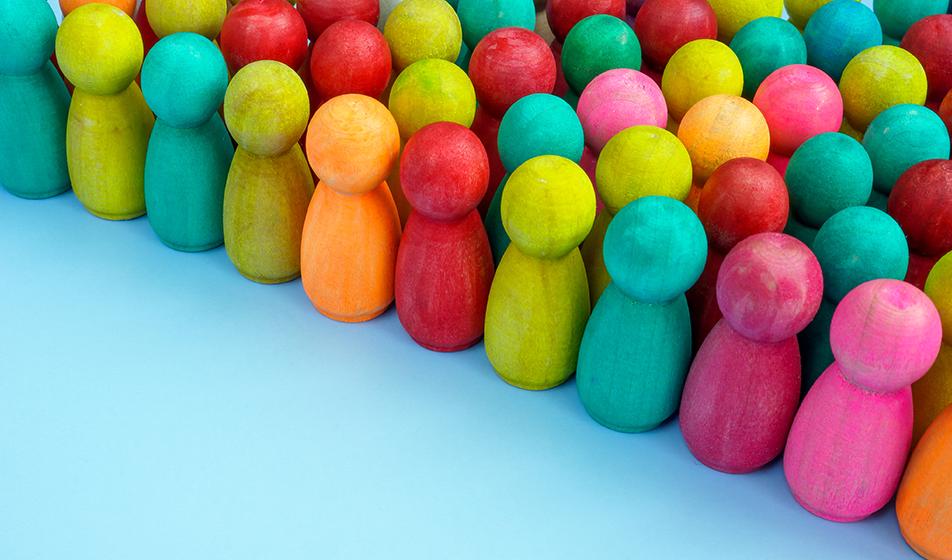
636,349
184,79
537,125
34,102
855,245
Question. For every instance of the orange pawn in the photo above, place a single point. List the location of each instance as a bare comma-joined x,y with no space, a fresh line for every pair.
352,229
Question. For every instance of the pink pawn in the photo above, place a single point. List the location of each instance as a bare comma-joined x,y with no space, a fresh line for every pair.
616,100
798,102
743,387
850,439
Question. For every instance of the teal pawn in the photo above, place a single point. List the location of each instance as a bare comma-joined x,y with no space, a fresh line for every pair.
839,31
896,16
636,349
184,79
855,245
764,45
827,173
34,102
597,44
537,125
899,138
478,18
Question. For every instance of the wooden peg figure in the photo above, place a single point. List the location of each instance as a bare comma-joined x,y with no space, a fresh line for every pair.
538,304
184,79
654,251
100,51
744,385
204,17
851,436
444,265
269,182
933,393
352,232
922,504
34,102
921,201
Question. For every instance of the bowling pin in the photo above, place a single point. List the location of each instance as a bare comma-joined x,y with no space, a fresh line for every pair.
352,232
34,102
444,264
851,436
933,393
654,251
269,182
744,385
921,201
184,79
856,245
538,302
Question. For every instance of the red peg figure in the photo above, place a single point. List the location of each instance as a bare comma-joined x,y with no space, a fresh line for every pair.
564,14
486,127
921,202
318,15
263,30
352,230
444,265
851,436
509,64
351,56
664,26
743,197
744,386
149,38
930,41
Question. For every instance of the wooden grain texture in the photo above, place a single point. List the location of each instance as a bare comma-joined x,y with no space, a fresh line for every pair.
700,69
798,102
922,504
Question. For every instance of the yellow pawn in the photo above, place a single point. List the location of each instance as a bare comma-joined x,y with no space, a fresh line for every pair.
539,302
100,51
933,393
204,17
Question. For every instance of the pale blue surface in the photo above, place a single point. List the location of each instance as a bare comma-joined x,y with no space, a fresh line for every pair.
156,405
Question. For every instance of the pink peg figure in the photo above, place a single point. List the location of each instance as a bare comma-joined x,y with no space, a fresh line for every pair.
743,388
851,437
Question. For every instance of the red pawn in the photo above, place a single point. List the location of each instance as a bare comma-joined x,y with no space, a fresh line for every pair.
921,202
444,264
351,56
486,128
149,38
664,26
509,64
945,111
263,30
930,40
743,197
564,14
318,15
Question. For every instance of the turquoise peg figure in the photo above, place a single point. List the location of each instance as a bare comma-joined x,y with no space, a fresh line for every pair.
636,349
184,79
34,102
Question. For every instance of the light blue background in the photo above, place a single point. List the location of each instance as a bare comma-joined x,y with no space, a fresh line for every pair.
156,405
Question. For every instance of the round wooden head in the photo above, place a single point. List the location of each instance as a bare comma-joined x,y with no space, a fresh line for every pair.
655,249
27,35
263,30
430,91
769,287
798,102
536,125
204,17
597,44
700,69
664,26
99,49
562,15
548,206
642,161
509,64
720,128
921,202
765,45
901,137
444,171
423,29
878,78
732,15
266,108
859,244
352,143
939,290
480,17
616,100
837,32
320,14
885,335
826,174
930,41
743,197
184,79
350,56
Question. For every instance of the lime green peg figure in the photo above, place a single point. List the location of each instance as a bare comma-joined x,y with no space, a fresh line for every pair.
184,80
100,51
34,102
539,303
